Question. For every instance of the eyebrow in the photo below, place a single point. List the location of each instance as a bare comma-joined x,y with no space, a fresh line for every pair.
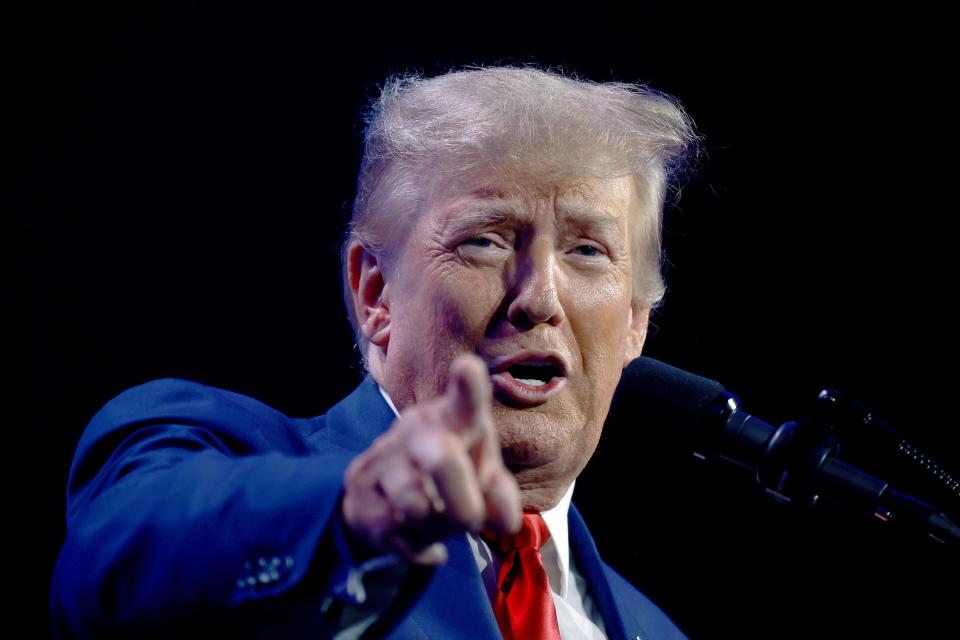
489,208
590,219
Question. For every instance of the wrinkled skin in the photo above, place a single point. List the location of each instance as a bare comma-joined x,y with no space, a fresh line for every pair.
500,272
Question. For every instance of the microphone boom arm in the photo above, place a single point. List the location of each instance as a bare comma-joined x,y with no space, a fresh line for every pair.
795,463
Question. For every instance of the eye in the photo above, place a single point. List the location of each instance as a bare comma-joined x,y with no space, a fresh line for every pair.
588,250
487,240
479,241
485,247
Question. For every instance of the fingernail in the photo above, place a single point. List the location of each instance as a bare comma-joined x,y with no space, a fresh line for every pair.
436,554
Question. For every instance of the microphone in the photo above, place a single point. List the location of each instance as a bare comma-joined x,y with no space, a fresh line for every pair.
795,462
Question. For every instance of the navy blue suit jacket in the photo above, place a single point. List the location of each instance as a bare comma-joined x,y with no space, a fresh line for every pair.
193,510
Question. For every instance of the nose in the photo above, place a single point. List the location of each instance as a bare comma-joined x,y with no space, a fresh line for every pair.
536,293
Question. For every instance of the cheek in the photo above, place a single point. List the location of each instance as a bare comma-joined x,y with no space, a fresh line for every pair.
455,306
601,324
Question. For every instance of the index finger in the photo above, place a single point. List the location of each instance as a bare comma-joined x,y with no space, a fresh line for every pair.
470,398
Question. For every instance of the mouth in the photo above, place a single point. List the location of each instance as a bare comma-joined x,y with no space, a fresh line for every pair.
527,379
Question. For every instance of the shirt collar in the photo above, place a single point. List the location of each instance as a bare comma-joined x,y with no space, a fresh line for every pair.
386,397
556,519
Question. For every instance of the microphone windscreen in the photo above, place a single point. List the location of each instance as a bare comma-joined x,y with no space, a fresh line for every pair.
661,399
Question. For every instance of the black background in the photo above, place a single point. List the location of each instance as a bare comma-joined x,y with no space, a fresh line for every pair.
181,178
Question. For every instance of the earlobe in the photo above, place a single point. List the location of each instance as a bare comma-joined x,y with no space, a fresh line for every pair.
370,294
637,323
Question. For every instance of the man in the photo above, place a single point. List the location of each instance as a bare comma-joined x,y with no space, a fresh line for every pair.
500,268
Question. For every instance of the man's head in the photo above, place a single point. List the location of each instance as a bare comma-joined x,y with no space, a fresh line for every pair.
514,214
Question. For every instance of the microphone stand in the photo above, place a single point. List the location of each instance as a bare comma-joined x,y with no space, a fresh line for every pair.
797,463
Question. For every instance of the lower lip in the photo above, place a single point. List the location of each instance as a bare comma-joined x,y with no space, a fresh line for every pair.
512,391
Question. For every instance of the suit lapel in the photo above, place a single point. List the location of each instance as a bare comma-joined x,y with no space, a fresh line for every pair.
588,561
455,603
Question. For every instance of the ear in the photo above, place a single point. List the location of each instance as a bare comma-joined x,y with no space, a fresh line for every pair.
370,294
637,323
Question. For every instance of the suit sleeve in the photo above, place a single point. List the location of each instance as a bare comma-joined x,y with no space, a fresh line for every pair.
186,503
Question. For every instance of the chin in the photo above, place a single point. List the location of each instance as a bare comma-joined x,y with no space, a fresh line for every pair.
538,497
529,438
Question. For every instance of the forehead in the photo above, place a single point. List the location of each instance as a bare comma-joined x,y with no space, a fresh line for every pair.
607,199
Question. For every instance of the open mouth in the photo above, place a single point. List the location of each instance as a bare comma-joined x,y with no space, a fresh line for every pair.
527,379
535,375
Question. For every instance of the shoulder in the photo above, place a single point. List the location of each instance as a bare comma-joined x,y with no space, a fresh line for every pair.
243,423
166,421
646,615
174,397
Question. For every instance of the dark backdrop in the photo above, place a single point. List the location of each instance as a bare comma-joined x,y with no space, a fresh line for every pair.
181,178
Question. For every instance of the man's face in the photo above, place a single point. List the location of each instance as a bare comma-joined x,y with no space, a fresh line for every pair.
537,281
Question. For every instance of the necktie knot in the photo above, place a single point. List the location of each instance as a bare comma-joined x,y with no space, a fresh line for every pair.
533,534
523,604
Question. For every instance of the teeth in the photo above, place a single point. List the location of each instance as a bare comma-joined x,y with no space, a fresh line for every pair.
533,382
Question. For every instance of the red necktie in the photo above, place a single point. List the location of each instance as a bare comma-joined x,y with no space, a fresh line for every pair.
524,606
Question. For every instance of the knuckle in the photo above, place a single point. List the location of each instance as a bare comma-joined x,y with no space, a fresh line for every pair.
413,506
468,513
352,474
364,518
437,450
413,419
384,442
